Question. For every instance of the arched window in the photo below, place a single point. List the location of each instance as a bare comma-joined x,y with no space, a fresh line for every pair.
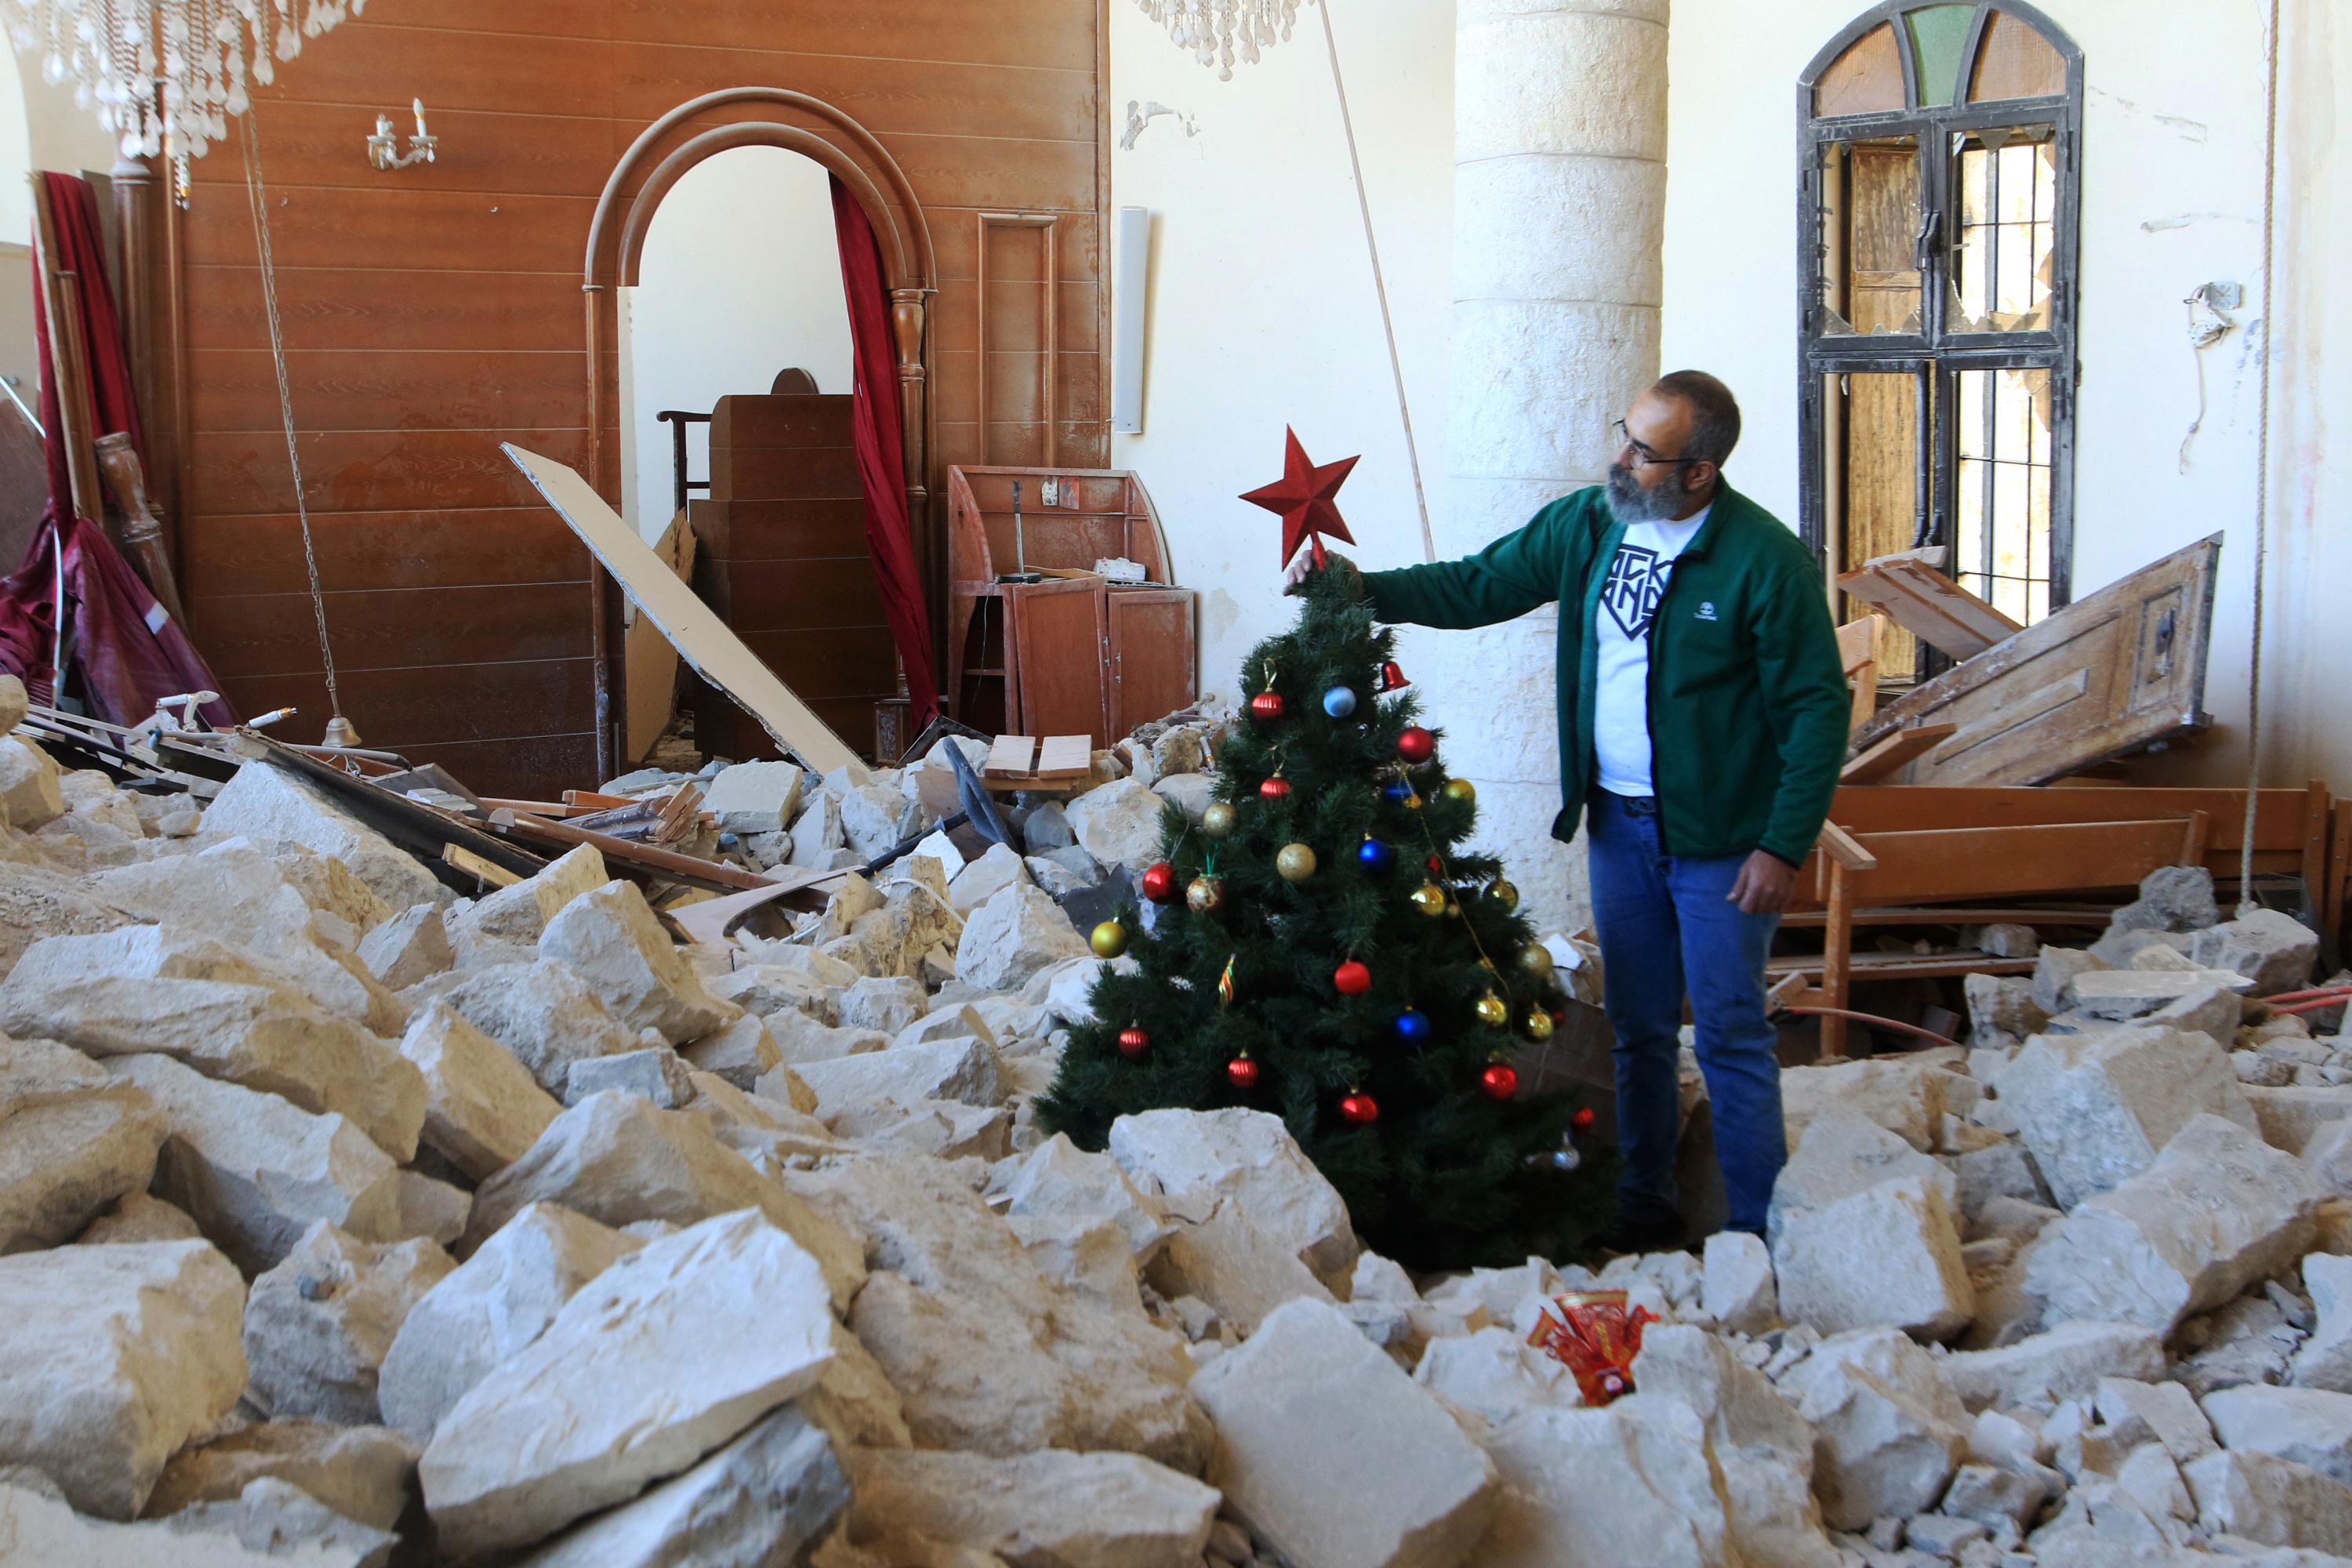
1939,169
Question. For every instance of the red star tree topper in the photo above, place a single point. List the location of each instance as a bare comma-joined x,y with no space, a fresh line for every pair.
1303,496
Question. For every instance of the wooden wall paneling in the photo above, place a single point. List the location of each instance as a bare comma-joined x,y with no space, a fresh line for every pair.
1013,376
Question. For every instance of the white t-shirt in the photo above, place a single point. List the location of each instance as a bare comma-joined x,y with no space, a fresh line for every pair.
1620,622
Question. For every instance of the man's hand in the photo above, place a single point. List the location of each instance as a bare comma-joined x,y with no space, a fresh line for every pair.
1764,884
1303,568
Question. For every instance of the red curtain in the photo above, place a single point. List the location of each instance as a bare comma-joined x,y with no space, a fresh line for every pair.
881,456
129,651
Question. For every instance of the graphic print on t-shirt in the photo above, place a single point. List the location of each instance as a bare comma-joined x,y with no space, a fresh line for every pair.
1637,579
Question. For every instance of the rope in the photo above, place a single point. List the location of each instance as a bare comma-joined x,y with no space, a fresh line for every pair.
2261,472
1379,287
258,195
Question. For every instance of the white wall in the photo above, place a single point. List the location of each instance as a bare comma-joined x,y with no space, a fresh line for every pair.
741,278
2172,168
1262,311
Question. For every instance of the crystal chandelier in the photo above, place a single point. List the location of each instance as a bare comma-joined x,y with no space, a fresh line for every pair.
1217,31
166,75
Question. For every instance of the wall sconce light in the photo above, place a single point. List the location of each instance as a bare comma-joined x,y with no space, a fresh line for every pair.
384,147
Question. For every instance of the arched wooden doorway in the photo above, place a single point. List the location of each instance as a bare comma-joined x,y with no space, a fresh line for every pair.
702,128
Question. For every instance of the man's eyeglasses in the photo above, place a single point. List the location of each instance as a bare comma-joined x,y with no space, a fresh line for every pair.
1649,459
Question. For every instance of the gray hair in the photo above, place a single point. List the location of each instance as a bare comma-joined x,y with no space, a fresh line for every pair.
1714,414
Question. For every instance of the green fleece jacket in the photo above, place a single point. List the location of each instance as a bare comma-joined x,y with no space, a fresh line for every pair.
1749,707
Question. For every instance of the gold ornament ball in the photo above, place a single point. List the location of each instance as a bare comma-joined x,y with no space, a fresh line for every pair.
1220,819
1536,959
1206,896
1493,1011
1295,862
1506,895
1108,940
1430,900
1413,800
1454,909
1539,1025
1462,790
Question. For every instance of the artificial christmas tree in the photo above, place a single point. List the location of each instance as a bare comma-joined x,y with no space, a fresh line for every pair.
1324,950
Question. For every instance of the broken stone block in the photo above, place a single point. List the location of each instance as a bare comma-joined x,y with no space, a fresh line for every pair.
256,1171
1242,1270
943,1129
1994,1497
1047,1507
765,989
738,1052
2121,995
2003,1006
2070,1361
965,1071
2258,1497
435,1210
266,804
137,1217
998,868
1492,1374
657,1074
619,1392
2053,975
13,704
413,946
159,989
875,818
270,1524
2000,1171
610,938
1888,1255
360,1472
1648,1456
2324,1360
1888,1431
482,1107
2309,1425
618,1159
2293,1117
2165,1413
317,1326
111,1358
2213,1011
817,836
883,1006
754,797
1066,873
769,1497
2272,950
1017,932
2096,1108
496,1303
36,903
2171,898
1118,824
1764,1448
30,795
1738,1289
505,926
990,1354
1418,1491
1898,1095
1842,1153
72,1142
1191,1160
545,1015
1057,1180
2217,1210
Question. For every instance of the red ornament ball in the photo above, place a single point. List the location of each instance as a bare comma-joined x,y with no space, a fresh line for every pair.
1351,979
1583,1120
1275,788
1500,1081
1133,1043
1267,707
1360,1109
1241,1073
1159,883
1416,744
1436,864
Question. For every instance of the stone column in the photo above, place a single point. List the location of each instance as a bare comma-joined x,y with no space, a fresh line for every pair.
1559,147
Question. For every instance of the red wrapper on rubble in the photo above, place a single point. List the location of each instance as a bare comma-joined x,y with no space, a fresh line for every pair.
1593,1335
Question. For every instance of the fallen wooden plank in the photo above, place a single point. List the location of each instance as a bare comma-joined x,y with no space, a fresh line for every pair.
1928,605
643,858
2280,828
1937,965
1976,863
1963,915
2111,674
701,638
474,866
1892,753
1065,756
1011,756
710,920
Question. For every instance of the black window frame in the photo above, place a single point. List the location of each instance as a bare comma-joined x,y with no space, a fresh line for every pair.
1935,355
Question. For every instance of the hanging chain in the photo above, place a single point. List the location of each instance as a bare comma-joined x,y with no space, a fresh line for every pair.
258,195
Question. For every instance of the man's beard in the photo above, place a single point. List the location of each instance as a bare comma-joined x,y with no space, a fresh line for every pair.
1630,503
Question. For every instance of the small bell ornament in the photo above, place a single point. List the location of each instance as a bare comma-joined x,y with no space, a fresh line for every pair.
1392,679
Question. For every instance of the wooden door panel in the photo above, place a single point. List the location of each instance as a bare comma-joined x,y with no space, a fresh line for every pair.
2101,676
1057,648
1151,655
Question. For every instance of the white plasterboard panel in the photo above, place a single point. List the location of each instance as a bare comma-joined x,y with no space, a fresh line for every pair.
702,639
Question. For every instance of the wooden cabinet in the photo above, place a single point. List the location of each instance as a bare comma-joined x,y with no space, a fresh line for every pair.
1074,653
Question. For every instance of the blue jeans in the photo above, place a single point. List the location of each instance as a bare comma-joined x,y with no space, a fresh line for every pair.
1664,926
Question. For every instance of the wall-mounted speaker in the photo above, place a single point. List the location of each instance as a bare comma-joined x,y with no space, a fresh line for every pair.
1133,266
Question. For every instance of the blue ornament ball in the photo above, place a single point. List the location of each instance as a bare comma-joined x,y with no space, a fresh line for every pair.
1374,856
1338,702
1395,792
1413,1027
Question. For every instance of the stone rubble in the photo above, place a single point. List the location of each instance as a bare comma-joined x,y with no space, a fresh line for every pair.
349,1222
